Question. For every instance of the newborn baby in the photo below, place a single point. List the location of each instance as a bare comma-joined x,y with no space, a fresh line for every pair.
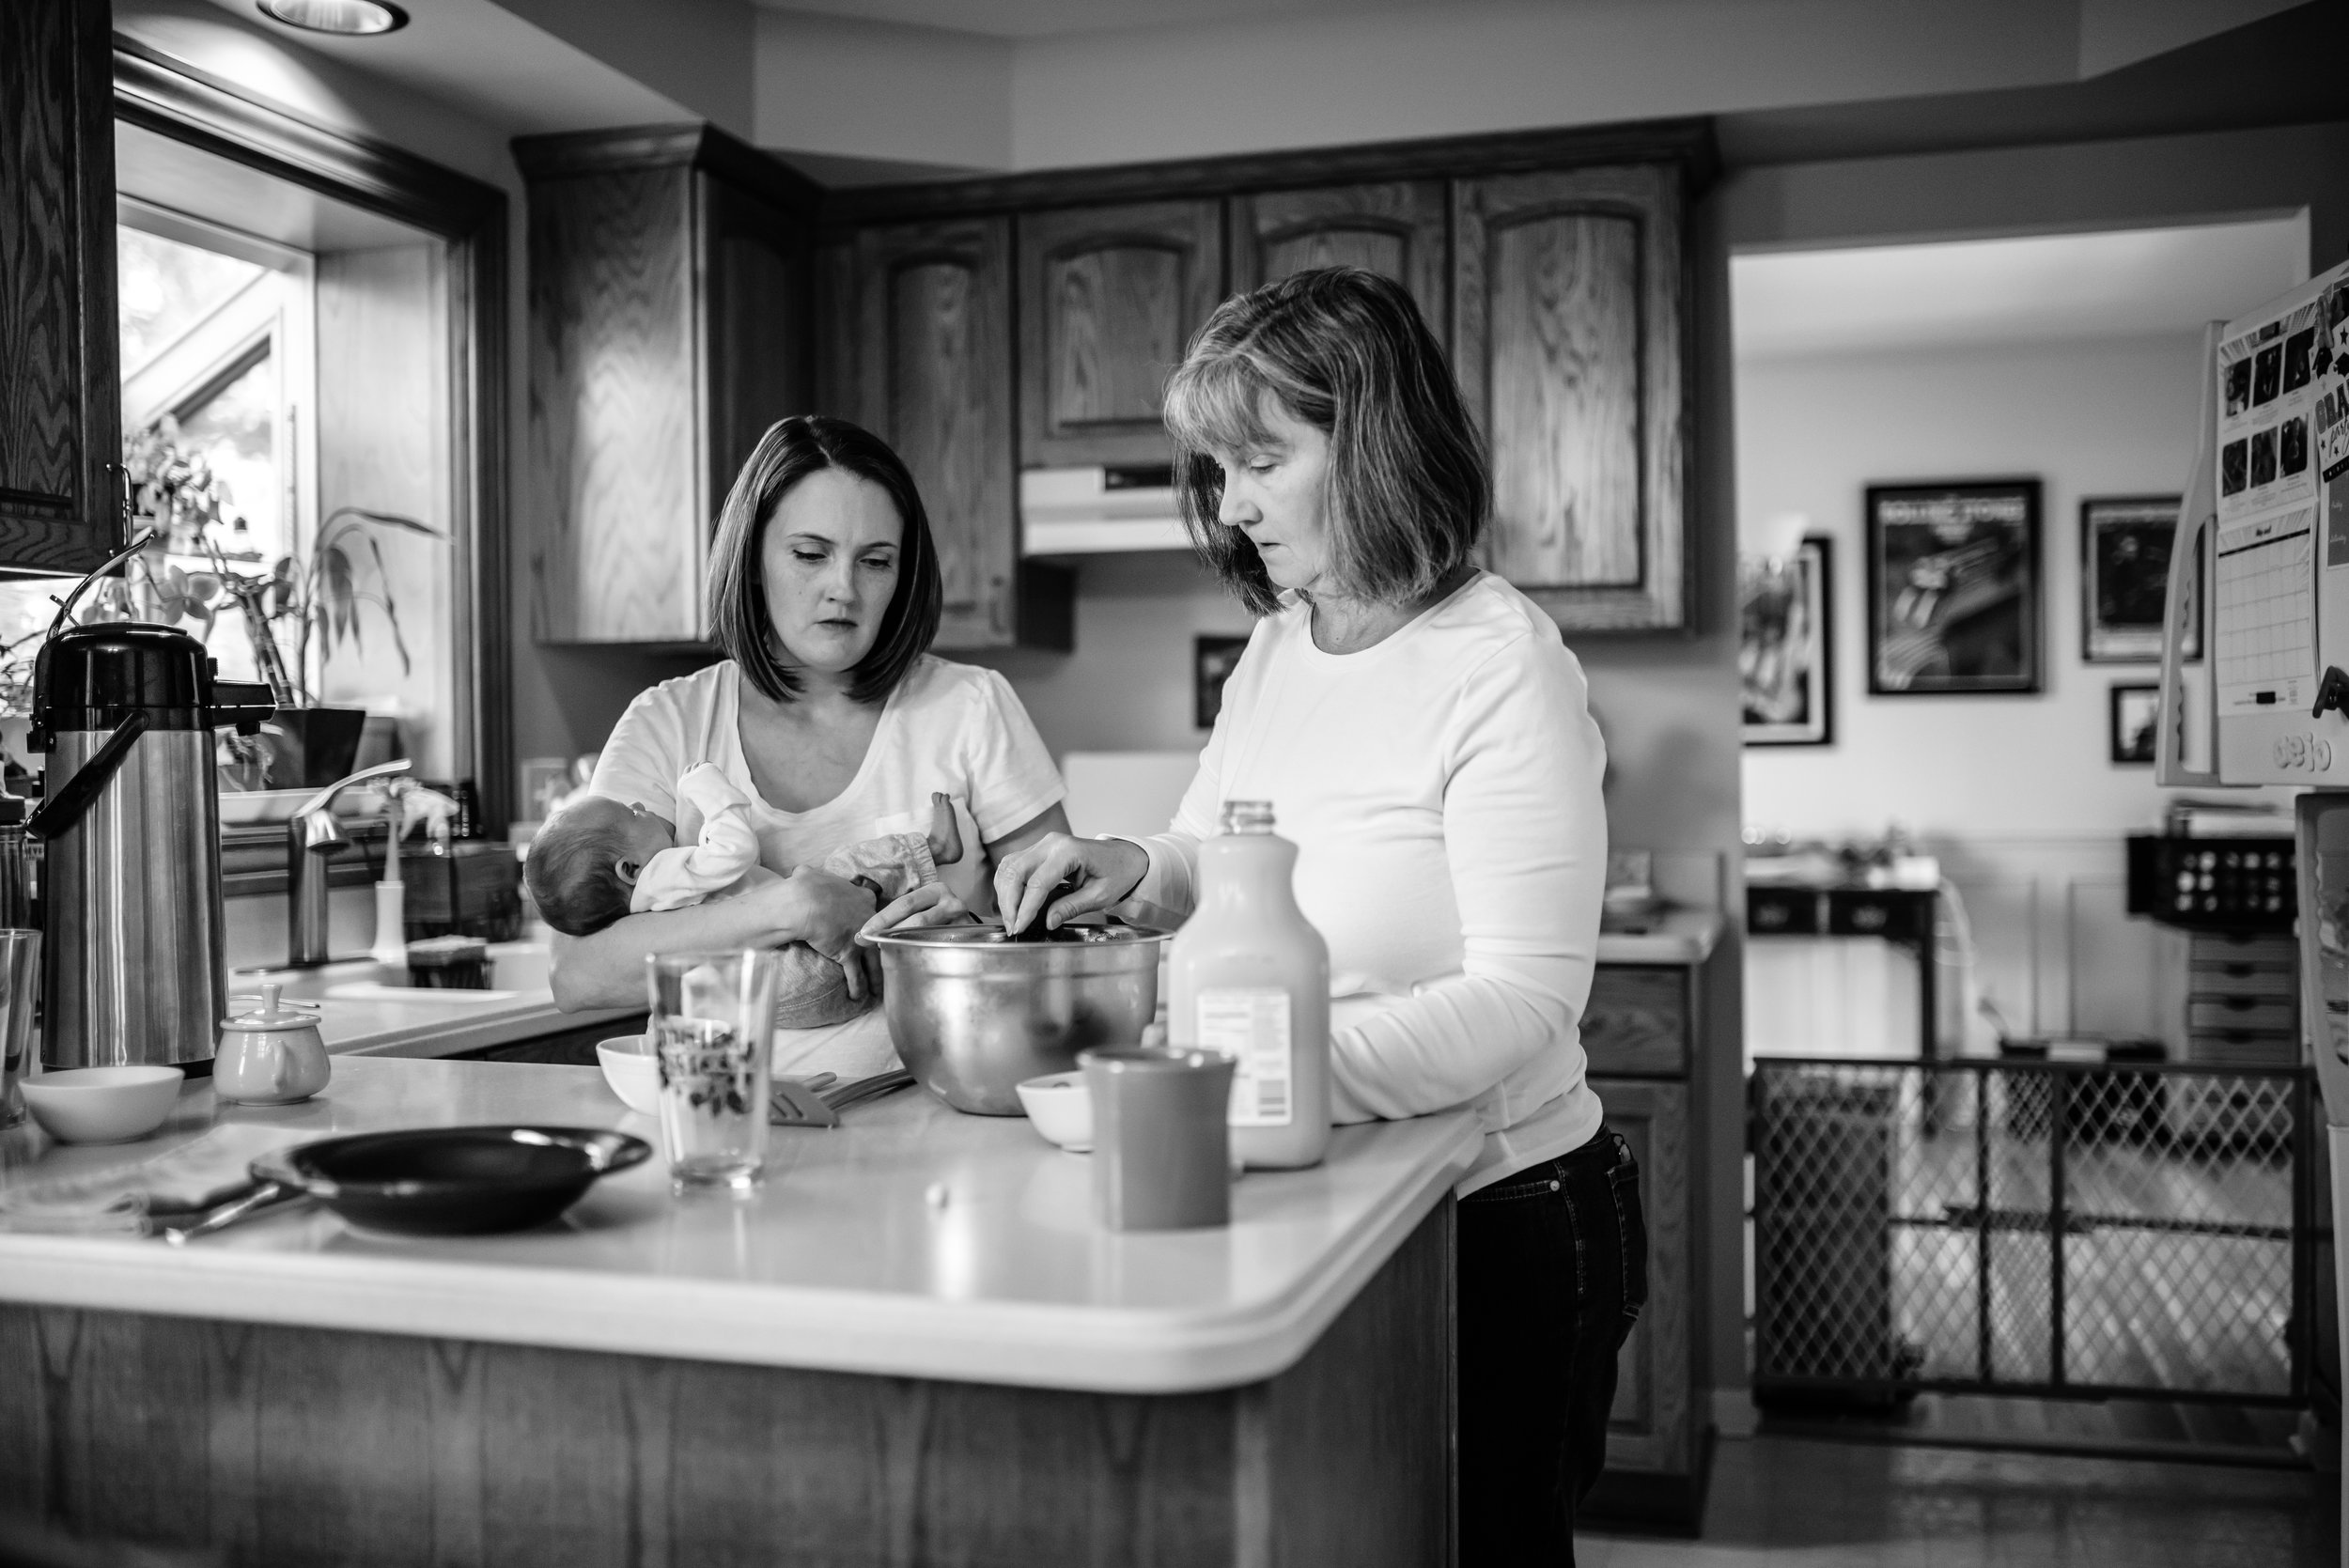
600,859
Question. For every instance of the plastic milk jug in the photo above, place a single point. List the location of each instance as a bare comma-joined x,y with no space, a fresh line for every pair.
1248,976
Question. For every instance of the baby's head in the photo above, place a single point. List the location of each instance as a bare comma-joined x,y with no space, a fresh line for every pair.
584,864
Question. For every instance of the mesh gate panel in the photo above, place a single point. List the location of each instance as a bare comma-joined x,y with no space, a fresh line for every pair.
2028,1227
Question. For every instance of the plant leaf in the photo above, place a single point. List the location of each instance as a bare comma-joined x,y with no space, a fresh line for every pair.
390,610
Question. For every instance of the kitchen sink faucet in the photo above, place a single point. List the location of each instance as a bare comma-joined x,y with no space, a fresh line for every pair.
312,836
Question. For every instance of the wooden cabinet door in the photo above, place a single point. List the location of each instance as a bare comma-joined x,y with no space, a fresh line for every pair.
1110,297
1569,340
617,482
757,307
1653,1425
60,393
1395,230
933,379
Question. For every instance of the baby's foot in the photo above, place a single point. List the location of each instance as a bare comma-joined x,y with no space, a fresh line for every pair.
945,833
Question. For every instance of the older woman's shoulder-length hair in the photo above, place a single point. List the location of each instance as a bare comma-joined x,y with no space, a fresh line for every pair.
1344,350
739,617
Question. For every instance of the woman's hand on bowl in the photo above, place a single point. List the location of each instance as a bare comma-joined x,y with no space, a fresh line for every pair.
1088,874
931,904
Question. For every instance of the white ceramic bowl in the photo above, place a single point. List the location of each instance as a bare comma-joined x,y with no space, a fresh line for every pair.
630,1068
102,1105
1060,1107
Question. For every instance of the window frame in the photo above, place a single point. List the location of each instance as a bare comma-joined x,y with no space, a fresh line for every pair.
177,100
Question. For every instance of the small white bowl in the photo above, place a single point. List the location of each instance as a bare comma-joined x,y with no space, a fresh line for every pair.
631,1070
102,1105
1060,1107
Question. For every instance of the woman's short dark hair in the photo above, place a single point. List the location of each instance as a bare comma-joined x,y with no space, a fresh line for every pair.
739,617
1344,350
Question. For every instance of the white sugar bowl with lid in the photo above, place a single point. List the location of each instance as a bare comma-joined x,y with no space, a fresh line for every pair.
273,1057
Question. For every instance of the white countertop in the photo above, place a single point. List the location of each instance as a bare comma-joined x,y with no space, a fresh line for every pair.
367,1009
1681,936
912,1241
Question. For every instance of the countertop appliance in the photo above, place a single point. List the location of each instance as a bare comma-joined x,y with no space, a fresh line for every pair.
131,894
2255,655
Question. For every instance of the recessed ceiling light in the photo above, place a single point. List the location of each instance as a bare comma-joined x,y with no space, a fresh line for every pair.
351,18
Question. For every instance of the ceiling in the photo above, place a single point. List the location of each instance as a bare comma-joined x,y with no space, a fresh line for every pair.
2033,289
1044,19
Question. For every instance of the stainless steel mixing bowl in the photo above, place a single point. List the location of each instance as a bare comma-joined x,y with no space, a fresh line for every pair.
973,1014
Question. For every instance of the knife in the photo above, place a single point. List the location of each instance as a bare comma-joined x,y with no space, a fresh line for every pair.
263,1197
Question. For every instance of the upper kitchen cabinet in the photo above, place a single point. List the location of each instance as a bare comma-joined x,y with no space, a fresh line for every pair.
1395,229
920,353
670,299
1109,298
60,395
1570,341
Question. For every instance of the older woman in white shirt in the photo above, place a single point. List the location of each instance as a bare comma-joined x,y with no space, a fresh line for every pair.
1424,738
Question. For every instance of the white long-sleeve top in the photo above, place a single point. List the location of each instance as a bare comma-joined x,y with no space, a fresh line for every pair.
1443,789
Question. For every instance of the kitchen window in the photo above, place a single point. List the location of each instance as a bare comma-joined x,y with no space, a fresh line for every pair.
311,336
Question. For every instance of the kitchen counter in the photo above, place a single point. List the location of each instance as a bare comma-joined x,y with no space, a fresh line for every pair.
912,1345
1679,935
368,1009
912,1241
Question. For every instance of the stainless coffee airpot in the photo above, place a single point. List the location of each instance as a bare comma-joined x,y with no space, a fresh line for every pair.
133,970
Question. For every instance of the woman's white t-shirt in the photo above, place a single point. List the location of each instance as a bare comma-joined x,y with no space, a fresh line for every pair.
948,728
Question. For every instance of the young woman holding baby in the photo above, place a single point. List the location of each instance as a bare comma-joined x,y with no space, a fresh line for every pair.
833,724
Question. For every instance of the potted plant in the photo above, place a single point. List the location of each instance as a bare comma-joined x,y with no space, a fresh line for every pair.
296,615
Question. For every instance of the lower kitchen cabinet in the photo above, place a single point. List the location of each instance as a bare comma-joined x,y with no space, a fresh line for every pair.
1639,1036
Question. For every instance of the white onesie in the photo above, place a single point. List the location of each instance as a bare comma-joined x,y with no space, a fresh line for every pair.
725,859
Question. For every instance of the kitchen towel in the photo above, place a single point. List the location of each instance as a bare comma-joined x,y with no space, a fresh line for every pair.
128,1199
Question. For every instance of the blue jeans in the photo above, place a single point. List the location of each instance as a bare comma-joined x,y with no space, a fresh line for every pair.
1552,1272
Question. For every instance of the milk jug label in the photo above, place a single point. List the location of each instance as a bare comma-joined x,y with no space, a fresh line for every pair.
1251,1027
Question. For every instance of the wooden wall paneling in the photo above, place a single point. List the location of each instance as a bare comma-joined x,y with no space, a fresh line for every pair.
1110,297
1653,1424
1396,229
284,1445
1360,1470
611,465
60,442
934,379
1570,343
756,313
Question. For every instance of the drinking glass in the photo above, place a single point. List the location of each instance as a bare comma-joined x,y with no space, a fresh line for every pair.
20,998
712,1015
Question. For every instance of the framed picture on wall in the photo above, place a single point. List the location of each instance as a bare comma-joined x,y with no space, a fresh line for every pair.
2135,709
2125,576
1786,646
1212,661
1955,591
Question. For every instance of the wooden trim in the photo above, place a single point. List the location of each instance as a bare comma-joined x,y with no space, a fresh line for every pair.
667,146
180,101
1688,142
190,106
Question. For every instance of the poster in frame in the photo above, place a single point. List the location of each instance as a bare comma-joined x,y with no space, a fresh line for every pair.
2124,577
2131,725
1955,598
1785,647
1212,662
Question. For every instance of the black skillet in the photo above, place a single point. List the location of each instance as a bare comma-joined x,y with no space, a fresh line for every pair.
453,1181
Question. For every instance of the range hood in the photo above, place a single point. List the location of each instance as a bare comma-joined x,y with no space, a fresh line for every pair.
1095,511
